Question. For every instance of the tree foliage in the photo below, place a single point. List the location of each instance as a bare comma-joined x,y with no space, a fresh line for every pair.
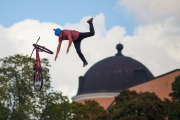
130,105
174,111
87,111
4,112
57,107
16,91
175,94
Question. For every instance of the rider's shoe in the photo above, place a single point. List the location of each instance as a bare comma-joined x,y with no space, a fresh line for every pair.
85,64
90,20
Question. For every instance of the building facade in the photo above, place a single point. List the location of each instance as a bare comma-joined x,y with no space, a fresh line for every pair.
105,79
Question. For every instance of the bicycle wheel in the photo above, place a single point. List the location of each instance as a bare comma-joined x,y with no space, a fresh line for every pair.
38,80
42,48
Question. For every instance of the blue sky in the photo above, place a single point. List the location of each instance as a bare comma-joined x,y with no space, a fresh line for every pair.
148,29
63,11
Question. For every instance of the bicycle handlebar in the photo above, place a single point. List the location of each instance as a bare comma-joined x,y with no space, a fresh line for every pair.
37,40
34,48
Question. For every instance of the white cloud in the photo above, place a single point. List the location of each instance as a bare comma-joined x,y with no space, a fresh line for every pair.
66,70
154,44
151,10
157,36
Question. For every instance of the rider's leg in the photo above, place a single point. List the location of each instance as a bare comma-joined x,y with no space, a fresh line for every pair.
91,27
83,35
77,45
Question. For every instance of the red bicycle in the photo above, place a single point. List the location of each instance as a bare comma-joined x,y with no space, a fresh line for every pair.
38,78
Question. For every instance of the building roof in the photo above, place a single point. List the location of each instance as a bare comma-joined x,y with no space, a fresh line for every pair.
113,74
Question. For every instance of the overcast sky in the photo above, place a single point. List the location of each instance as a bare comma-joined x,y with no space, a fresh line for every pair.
148,29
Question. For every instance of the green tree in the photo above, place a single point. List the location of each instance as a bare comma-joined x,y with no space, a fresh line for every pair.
16,92
176,89
57,107
4,112
87,111
174,104
130,105
103,116
173,110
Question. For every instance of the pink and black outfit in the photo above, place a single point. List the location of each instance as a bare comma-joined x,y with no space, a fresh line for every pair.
77,37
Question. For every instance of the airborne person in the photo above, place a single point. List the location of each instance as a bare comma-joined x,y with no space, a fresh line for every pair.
75,37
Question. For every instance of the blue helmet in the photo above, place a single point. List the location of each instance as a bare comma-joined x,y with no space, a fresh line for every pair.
57,31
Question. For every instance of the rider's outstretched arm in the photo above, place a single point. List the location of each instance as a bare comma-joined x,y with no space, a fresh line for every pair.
58,49
70,42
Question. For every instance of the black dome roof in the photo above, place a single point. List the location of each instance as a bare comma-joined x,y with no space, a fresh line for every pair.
113,74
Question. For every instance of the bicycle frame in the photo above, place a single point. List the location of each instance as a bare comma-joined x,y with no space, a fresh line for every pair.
38,62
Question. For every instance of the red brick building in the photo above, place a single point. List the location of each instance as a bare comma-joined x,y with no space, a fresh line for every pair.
104,80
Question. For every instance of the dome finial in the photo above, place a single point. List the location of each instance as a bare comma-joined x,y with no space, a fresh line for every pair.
119,48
